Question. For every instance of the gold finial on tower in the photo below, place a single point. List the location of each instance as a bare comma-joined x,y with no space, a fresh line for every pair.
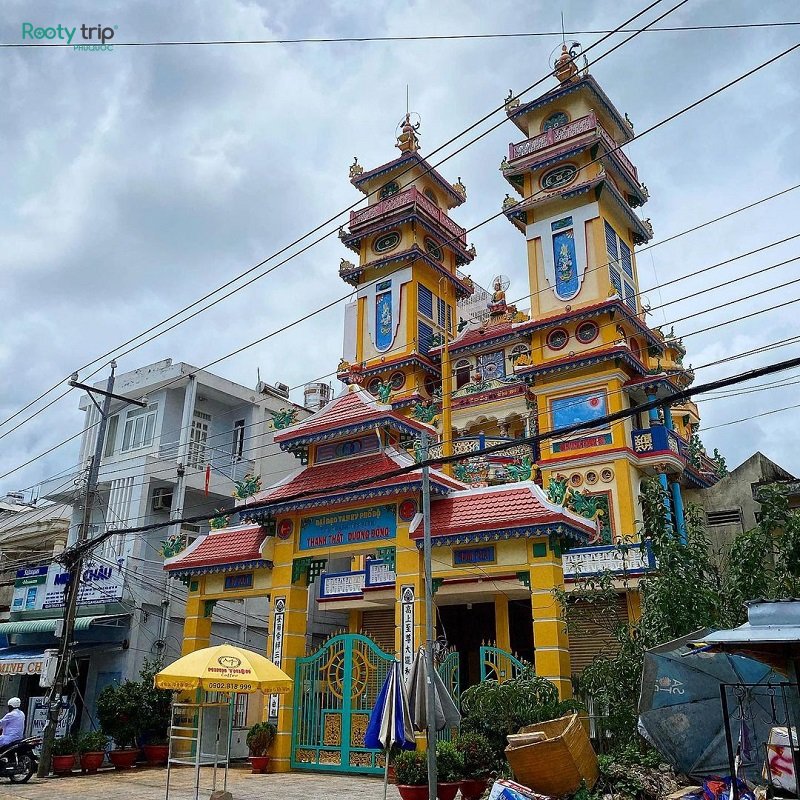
565,69
407,140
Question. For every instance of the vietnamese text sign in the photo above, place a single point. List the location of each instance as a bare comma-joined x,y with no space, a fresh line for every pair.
474,555
360,526
37,716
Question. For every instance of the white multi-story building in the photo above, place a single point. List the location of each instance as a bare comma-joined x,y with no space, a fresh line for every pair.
181,455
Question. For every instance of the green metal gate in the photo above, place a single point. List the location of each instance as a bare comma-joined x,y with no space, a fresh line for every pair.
499,665
335,691
449,672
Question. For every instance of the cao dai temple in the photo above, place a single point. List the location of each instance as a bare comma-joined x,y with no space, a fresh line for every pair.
430,355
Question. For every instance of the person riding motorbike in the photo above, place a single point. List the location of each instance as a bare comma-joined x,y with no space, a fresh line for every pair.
12,724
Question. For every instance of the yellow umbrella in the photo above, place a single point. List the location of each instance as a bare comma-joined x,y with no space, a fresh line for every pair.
224,669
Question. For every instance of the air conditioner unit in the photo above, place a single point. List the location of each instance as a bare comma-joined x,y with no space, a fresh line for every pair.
162,499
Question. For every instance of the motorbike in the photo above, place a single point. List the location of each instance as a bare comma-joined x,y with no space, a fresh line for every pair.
18,761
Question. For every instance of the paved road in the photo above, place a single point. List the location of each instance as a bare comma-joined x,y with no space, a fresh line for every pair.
149,784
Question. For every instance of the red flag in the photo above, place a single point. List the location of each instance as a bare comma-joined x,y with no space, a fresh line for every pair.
208,477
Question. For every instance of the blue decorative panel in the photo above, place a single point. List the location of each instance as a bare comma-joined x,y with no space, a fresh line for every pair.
424,337
492,365
625,257
346,449
239,580
578,408
616,279
349,527
426,302
383,321
561,223
566,265
474,555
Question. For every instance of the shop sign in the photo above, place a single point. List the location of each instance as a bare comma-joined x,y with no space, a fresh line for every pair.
474,555
38,588
360,526
21,666
277,650
407,628
37,716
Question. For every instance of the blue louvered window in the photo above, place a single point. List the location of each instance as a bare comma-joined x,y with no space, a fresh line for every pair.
611,244
625,258
424,337
441,312
630,295
449,319
616,279
425,301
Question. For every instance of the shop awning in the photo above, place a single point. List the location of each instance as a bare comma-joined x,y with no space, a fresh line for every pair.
49,625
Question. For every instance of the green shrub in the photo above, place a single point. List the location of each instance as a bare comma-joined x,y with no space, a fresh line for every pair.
92,742
411,768
496,709
260,737
157,705
449,763
65,746
477,754
120,711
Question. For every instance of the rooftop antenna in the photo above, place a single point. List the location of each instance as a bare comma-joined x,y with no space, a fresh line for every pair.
407,112
563,36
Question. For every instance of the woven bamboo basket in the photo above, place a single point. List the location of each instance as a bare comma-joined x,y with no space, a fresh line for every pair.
558,763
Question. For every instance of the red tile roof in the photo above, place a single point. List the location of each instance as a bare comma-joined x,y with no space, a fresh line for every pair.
498,508
316,480
226,546
355,407
483,334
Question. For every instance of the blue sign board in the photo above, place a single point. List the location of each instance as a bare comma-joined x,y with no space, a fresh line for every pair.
360,526
241,580
474,555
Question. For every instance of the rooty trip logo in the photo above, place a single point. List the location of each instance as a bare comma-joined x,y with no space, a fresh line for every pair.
89,33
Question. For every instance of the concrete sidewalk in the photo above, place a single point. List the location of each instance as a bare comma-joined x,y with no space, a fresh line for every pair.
149,784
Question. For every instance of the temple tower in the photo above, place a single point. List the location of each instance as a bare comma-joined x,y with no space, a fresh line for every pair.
407,276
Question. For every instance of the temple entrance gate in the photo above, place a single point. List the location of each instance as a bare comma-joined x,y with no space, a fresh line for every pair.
335,691
499,665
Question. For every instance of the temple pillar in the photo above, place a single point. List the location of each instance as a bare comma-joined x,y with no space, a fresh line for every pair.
197,624
287,642
409,619
550,640
502,631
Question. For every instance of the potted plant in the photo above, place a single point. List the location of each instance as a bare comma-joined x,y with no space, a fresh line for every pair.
259,739
119,710
411,774
476,751
92,749
158,710
449,770
64,755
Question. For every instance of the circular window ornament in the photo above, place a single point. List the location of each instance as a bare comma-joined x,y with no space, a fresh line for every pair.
587,332
398,380
407,510
591,477
555,120
576,479
557,339
373,386
559,176
607,475
430,385
285,529
386,242
389,189
433,249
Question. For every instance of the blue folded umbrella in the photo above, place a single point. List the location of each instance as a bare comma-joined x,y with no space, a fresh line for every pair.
390,720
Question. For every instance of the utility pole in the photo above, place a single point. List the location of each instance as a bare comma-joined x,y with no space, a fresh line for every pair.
430,694
73,561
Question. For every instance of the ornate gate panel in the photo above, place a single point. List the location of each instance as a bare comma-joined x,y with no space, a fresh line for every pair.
449,672
335,691
499,665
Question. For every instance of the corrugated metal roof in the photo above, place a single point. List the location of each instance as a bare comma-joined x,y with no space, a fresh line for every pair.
49,625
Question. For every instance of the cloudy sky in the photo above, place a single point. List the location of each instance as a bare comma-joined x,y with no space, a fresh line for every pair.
136,181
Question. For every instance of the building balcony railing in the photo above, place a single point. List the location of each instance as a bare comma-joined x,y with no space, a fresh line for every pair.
408,198
220,459
620,560
564,133
351,585
471,444
660,439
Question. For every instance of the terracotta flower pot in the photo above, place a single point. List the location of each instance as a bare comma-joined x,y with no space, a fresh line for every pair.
156,754
62,765
447,791
90,762
258,764
123,759
413,792
473,788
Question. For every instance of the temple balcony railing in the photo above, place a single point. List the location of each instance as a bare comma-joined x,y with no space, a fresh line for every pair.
471,444
351,585
621,560
403,200
660,440
565,133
